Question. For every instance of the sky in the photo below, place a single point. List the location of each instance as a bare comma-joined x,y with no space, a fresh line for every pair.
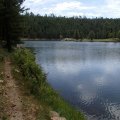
69,8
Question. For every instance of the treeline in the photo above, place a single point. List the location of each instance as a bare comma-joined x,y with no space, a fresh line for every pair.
37,26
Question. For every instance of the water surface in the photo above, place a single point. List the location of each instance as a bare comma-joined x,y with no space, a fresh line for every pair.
87,75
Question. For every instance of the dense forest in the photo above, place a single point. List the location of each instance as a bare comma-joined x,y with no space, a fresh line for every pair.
37,26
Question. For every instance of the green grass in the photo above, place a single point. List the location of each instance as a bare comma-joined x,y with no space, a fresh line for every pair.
36,84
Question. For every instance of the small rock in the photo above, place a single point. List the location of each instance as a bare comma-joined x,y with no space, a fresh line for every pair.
53,114
2,73
62,118
1,81
16,70
58,118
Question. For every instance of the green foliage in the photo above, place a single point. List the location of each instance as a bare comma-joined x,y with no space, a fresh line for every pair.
118,35
91,35
10,21
35,81
58,104
51,26
31,71
76,34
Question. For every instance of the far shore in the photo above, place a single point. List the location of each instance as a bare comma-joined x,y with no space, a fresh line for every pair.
72,39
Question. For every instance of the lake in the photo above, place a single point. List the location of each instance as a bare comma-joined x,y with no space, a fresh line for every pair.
87,75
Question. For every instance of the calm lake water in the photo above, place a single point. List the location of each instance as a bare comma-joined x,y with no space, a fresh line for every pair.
87,75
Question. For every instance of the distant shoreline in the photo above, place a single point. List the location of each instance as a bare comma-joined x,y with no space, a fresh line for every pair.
72,39
39,39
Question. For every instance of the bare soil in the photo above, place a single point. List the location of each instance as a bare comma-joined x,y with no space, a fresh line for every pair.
14,102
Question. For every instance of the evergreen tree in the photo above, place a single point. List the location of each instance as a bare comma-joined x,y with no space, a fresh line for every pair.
118,35
91,35
11,16
38,26
1,19
76,34
81,35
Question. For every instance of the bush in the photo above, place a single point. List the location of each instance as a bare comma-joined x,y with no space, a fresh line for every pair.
32,73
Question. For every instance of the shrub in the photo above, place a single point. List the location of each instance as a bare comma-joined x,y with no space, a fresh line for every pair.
32,73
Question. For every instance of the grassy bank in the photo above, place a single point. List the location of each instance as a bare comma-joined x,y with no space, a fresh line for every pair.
94,40
76,40
34,81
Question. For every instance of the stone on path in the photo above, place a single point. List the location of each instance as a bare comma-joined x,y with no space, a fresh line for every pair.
55,116
1,81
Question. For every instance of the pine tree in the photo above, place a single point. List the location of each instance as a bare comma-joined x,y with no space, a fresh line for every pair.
1,19
91,35
118,35
11,16
76,34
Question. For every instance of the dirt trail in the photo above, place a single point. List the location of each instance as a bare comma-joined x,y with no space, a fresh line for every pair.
14,103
